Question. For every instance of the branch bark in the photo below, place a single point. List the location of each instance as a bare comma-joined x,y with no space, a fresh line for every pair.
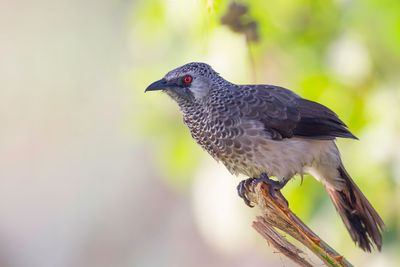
277,215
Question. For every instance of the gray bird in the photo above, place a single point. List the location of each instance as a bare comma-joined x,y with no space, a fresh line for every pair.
266,130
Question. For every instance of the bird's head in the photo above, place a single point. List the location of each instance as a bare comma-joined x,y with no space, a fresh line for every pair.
190,82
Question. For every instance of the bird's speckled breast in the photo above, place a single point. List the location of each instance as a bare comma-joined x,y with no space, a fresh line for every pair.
219,129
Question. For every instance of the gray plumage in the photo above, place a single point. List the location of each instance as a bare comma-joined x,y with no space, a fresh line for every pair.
255,129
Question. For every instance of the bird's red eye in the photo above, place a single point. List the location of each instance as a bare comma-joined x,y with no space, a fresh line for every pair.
187,79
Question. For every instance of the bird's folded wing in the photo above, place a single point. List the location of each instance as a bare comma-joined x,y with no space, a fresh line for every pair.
287,115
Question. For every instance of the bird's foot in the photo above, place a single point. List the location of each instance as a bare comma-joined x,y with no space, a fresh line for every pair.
249,184
243,188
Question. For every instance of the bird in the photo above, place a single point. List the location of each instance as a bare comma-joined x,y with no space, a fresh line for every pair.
264,131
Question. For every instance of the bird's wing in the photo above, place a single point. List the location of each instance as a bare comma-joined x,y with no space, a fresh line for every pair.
285,114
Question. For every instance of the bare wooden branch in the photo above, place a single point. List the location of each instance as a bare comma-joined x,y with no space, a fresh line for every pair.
279,242
277,215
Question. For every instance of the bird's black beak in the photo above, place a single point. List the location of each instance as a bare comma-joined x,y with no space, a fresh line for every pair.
158,85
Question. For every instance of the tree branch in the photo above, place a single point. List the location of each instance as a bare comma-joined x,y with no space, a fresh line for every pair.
277,215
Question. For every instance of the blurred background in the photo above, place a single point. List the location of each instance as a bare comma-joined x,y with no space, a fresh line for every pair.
93,172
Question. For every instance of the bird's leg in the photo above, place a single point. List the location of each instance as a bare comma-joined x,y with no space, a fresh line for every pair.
250,183
275,185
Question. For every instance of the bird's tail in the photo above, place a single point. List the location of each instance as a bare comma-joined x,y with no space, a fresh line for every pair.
361,219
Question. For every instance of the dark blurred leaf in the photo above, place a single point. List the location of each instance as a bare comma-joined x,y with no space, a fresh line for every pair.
238,20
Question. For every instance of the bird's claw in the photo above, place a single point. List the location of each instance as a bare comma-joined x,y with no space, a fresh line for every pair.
243,188
249,184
